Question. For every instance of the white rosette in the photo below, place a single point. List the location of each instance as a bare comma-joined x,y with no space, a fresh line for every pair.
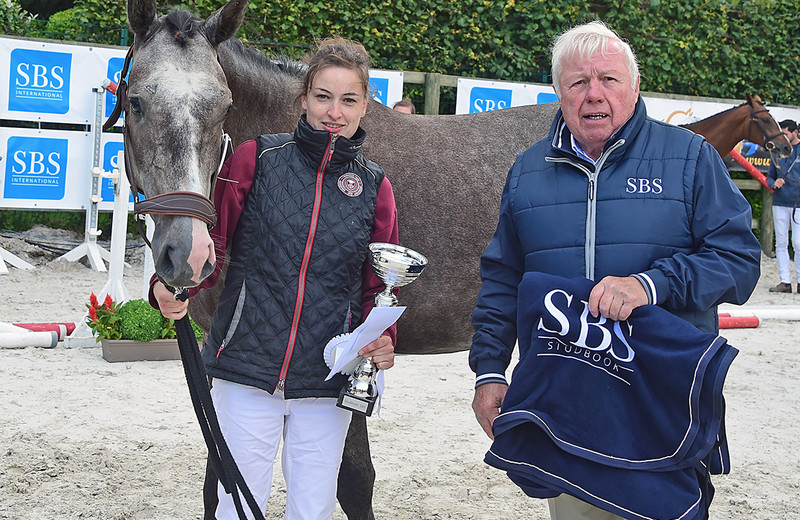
334,347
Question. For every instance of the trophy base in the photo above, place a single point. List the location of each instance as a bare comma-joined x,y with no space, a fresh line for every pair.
356,404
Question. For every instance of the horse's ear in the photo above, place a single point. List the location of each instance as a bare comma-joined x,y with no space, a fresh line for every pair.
749,99
141,15
224,23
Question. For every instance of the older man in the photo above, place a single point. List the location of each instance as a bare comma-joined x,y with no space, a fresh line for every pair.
645,209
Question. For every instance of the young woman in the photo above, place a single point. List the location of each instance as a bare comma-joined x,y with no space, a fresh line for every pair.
297,212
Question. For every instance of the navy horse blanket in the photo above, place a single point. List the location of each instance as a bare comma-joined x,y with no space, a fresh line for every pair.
628,416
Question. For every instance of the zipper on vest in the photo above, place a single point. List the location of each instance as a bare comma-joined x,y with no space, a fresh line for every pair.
312,230
237,316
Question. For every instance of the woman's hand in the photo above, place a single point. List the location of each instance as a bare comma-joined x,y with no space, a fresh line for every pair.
381,351
169,306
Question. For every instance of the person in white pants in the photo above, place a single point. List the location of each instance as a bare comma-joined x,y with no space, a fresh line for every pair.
313,430
784,178
296,214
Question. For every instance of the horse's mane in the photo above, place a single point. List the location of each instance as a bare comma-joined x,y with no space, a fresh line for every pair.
256,58
183,26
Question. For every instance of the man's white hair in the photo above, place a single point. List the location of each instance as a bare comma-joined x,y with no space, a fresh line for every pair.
583,41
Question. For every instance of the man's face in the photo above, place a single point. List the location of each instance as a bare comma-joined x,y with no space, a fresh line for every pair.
596,98
791,136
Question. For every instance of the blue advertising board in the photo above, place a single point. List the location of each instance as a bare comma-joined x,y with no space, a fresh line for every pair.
36,168
39,81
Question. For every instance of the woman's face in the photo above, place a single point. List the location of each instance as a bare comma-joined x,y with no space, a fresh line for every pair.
336,101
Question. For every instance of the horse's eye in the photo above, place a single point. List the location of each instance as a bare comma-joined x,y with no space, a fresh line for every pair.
228,111
136,106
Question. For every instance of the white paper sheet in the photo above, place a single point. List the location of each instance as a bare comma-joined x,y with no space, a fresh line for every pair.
378,320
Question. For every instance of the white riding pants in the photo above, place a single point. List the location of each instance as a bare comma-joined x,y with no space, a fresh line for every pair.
782,218
313,430
567,507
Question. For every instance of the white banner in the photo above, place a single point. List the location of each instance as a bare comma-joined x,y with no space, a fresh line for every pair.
386,86
475,95
51,169
35,166
53,82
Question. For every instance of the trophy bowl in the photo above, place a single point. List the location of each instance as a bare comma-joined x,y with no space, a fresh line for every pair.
396,266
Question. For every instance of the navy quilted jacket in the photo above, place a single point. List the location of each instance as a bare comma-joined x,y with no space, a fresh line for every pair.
295,274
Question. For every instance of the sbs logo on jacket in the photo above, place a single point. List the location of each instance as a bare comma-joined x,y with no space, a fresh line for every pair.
644,185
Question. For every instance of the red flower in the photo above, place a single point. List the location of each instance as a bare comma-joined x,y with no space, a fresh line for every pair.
103,319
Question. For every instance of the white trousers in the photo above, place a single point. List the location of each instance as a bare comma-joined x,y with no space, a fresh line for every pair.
782,218
313,431
567,507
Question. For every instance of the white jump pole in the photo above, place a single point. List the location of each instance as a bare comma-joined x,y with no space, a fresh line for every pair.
90,248
82,335
46,339
763,312
12,336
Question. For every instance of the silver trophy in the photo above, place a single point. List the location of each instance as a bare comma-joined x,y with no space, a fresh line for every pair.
396,266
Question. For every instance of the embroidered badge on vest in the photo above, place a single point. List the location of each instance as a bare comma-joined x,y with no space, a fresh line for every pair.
351,184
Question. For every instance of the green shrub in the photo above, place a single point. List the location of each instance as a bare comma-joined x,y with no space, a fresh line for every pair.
168,330
139,321
198,332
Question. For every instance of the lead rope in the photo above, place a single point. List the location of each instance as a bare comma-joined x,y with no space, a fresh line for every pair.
218,451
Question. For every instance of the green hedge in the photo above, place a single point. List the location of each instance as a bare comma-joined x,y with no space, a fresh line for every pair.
712,48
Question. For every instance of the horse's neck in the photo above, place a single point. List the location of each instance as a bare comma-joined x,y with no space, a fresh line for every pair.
264,97
724,130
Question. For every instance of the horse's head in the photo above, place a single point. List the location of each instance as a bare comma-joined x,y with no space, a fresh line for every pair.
772,137
176,102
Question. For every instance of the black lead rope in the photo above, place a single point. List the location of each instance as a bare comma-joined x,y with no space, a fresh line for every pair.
218,451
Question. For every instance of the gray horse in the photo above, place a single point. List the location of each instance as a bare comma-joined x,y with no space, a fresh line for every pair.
188,82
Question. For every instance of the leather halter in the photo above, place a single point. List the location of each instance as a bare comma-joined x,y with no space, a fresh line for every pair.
176,203
768,144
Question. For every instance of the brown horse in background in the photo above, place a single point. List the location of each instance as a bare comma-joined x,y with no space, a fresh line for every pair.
750,120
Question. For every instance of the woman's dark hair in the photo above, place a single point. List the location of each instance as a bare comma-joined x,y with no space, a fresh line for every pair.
339,52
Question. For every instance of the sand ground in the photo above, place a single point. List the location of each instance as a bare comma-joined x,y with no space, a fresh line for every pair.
84,438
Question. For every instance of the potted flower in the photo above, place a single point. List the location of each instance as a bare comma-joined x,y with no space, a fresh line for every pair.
133,331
